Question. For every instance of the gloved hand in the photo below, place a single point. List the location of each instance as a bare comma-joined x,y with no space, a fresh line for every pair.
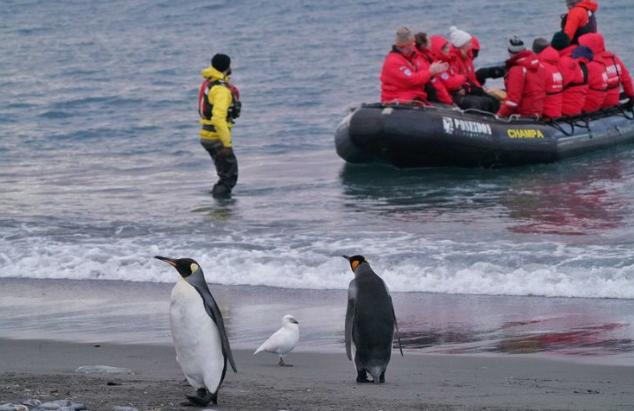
225,152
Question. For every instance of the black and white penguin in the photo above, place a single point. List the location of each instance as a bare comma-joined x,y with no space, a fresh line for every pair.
202,346
370,322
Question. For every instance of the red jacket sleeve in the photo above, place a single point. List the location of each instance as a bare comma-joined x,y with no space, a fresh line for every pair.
452,82
576,16
514,91
397,73
441,92
626,79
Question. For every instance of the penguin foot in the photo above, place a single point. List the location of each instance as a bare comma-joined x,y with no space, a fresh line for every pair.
363,380
202,398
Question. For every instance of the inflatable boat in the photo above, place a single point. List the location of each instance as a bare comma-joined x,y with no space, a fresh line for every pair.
408,136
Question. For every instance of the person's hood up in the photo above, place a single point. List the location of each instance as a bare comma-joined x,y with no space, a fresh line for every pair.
437,43
594,41
213,74
588,5
549,55
526,59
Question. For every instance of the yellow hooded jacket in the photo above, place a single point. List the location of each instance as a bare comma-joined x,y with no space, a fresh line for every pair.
220,97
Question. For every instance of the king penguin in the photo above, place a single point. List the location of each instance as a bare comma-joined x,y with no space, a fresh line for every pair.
200,339
370,322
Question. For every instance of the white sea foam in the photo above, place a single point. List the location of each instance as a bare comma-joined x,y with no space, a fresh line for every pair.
423,266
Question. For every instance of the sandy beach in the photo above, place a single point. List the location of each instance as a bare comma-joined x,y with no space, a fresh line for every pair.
46,370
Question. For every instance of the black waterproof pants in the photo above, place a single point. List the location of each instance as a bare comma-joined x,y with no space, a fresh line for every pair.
479,101
226,168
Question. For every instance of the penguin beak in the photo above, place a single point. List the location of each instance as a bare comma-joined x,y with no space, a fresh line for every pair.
167,260
346,257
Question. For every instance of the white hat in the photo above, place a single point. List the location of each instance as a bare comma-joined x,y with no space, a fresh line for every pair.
458,37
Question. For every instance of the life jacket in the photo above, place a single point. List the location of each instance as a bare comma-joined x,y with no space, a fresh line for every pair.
205,108
597,73
618,76
575,72
549,59
587,7
525,83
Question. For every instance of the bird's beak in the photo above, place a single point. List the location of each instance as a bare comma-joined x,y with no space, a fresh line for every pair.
167,260
294,321
346,257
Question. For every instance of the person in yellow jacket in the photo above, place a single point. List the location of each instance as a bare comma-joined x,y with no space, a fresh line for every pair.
219,105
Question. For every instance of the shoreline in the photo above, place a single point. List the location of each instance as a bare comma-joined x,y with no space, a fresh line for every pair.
317,381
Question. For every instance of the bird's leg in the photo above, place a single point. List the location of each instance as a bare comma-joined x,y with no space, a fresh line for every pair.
382,378
202,398
281,363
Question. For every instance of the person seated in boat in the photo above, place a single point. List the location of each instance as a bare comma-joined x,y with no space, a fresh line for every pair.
597,73
462,56
580,19
549,58
574,72
435,89
456,83
401,81
525,82
618,77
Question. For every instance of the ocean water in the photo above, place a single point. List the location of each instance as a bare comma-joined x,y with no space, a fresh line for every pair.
101,168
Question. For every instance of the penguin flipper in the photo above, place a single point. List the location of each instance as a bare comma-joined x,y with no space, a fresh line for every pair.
398,337
350,313
214,312
217,317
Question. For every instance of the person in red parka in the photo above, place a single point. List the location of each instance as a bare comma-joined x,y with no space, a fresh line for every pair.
461,55
435,89
597,73
549,58
580,20
618,76
575,74
525,82
401,82
453,81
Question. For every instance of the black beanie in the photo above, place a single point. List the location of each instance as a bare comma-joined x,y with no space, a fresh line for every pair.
220,62
560,41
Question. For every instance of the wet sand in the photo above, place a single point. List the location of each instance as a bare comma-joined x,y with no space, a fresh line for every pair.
318,381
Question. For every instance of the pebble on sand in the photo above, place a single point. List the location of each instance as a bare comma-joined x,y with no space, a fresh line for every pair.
103,369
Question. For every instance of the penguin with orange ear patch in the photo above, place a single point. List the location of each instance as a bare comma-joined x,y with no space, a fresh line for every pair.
198,329
370,322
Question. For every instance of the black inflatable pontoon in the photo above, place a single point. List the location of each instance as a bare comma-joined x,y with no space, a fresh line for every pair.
410,136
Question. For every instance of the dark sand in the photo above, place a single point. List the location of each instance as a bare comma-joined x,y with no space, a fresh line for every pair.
45,370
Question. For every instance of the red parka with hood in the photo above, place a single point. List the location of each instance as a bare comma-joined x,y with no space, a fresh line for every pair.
453,81
597,73
401,80
618,76
462,64
575,82
525,86
578,22
423,60
554,83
